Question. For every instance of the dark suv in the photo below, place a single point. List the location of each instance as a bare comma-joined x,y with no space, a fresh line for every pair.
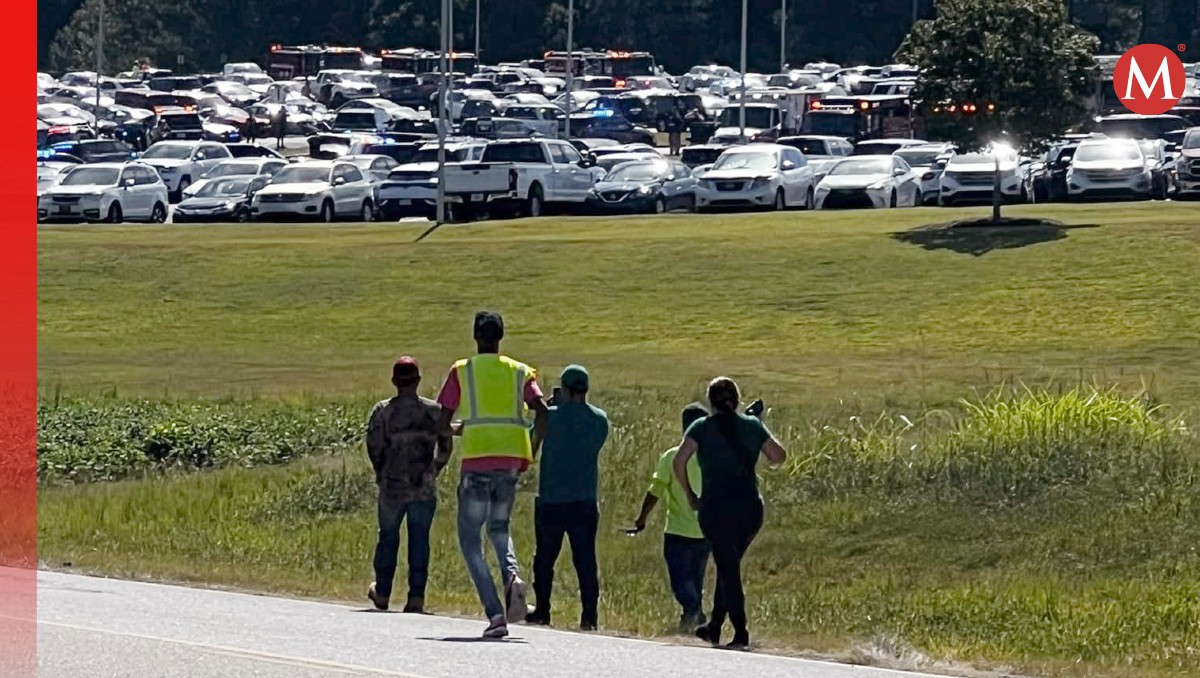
95,150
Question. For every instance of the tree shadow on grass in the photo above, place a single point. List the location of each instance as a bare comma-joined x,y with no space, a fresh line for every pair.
977,237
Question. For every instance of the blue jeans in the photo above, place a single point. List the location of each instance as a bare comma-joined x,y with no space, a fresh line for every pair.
420,517
687,559
487,498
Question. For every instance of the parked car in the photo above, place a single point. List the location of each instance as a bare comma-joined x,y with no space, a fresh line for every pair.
875,181
1050,182
646,185
522,176
319,190
884,146
410,189
763,176
1162,167
1136,126
701,154
222,199
1109,168
251,150
110,192
231,167
182,162
928,161
95,150
818,146
610,127
969,178
1187,166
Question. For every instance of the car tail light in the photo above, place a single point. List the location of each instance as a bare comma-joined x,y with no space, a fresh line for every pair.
59,130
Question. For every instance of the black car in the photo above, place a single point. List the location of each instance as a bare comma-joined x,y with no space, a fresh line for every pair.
181,125
701,154
610,127
1050,184
221,199
95,150
654,186
246,150
401,152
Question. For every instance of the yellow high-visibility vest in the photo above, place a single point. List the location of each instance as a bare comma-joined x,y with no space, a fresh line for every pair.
493,407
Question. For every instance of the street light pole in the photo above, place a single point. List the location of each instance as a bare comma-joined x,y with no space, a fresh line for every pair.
742,98
782,35
443,86
570,60
99,52
477,31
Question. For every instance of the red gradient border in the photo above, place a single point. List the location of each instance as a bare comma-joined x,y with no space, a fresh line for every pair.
18,363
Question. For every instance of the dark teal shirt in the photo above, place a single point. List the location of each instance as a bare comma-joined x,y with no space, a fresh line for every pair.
571,454
727,462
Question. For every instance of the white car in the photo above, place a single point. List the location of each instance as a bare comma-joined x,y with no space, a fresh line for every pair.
969,177
757,176
878,181
51,173
236,167
318,190
335,87
411,189
1109,168
928,161
109,191
182,162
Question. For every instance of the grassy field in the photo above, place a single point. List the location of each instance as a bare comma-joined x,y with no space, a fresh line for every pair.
1047,530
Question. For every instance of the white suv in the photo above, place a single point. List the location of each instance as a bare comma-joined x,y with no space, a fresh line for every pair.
182,162
969,177
112,192
316,190
1109,168
764,176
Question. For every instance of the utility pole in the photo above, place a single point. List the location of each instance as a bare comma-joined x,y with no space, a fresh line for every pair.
99,51
443,90
477,30
742,98
570,60
916,11
782,35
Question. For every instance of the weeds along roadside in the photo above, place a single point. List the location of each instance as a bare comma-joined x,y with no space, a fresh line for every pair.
1024,525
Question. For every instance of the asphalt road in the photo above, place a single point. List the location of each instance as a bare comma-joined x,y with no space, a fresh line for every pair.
104,628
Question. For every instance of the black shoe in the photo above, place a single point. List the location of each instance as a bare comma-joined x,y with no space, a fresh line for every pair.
741,641
538,618
709,634
689,622
415,606
588,625
380,602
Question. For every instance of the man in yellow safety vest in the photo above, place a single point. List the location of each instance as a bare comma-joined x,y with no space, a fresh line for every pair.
492,394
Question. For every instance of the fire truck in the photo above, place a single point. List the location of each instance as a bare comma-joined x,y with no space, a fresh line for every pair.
287,62
418,61
867,116
615,64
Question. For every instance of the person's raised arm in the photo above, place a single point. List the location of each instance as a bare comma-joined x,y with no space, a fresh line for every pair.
686,449
774,452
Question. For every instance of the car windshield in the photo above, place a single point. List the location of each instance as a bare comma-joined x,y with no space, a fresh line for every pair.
431,155
757,117
807,146
880,165
224,187
1192,140
750,161
302,175
168,152
920,158
1101,152
92,176
636,172
231,169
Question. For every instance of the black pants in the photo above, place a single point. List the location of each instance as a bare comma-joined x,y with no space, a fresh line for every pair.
578,522
730,525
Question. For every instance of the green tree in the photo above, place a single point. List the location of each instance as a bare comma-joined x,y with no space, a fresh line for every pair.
1022,56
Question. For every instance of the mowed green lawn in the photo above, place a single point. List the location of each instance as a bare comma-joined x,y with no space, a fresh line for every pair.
806,308
1084,566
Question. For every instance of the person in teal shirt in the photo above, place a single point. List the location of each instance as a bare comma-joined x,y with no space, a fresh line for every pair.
684,547
567,503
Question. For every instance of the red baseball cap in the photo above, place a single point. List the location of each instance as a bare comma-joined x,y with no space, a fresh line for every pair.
406,368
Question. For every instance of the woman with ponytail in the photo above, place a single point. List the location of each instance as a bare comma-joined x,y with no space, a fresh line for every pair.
727,445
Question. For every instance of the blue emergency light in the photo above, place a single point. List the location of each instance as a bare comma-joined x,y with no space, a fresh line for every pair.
604,112
46,154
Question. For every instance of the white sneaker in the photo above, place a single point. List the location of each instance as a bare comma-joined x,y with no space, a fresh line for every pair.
516,600
497,628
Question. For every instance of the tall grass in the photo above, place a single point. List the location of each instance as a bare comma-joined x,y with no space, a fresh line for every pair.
1050,529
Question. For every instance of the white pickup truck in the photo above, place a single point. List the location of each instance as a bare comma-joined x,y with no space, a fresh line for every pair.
521,176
